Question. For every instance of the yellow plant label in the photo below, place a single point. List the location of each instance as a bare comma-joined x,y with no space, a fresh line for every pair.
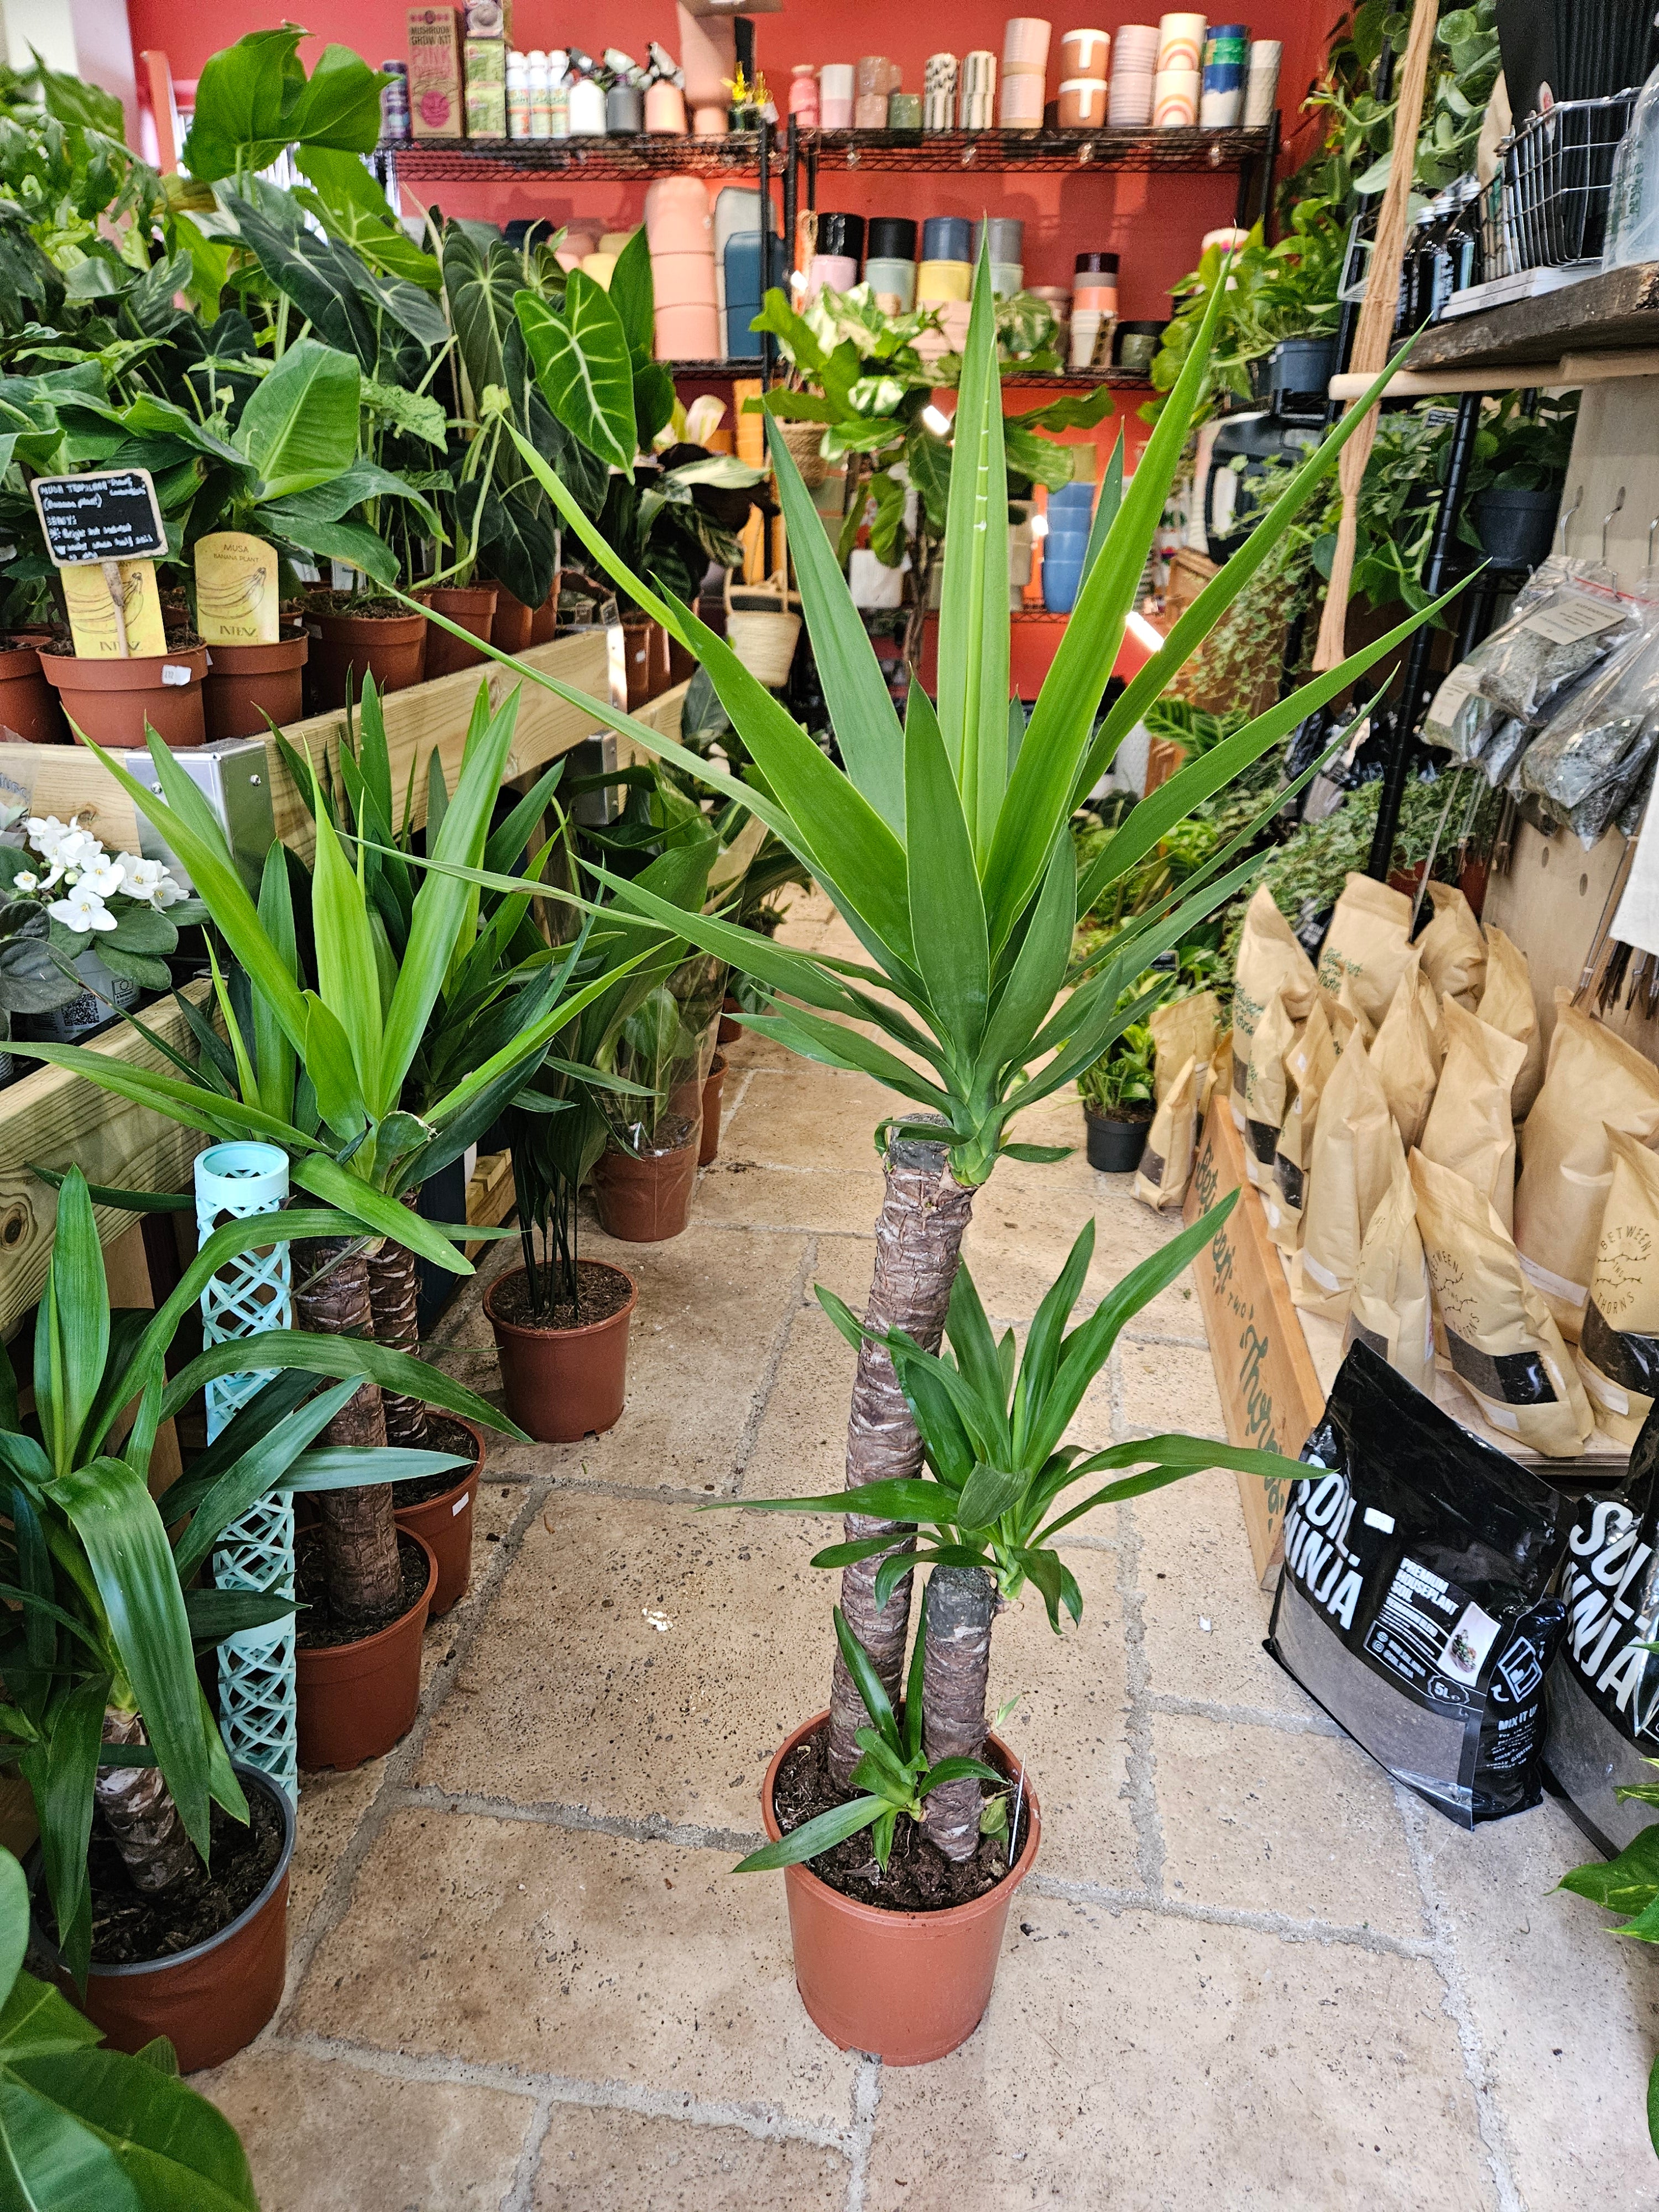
92,616
235,589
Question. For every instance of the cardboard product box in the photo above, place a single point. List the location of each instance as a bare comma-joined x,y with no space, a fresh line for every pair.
489,19
435,108
486,88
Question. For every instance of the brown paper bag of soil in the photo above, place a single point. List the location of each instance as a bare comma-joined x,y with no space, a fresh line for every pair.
1311,1063
1501,1339
1469,1127
1406,1054
1355,1145
1507,1003
1347,1019
1366,945
1454,951
1186,1029
1618,1351
1161,1178
1266,1087
1392,1310
1594,1082
1268,955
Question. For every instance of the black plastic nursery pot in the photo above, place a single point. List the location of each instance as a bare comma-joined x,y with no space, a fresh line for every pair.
1515,527
1116,1142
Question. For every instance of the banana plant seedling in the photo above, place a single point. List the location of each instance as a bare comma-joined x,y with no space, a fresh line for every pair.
893,1772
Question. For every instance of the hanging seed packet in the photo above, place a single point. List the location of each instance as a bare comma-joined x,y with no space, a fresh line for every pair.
1618,1351
1311,1063
1268,954
1167,1162
1501,1342
1413,1603
1469,1127
1366,945
1507,1003
1593,1082
1354,1149
1266,1087
1452,950
1405,1054
1604,1685
1393,1310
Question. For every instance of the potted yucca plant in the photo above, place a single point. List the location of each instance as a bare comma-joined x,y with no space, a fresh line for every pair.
944,841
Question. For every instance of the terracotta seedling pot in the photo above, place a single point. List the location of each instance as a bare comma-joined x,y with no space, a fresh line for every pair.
111,700
661,674
29,712
731,1028
211,2001
509,632
348,647
355,1700
563,1384
908,1987
545,620
713,1091
637,652
682,664
472,606
641,1201
246,683
444,1525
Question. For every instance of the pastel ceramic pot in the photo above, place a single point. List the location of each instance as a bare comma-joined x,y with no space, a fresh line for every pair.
691,333
683,280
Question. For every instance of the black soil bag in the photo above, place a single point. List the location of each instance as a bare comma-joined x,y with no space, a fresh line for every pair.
1413,1603
1604,1686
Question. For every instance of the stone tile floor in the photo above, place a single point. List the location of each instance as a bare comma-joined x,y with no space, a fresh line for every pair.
1247,1972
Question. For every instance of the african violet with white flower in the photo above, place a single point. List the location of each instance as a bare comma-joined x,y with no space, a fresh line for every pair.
62,897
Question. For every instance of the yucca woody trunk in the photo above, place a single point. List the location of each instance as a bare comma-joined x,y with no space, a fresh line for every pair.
393,1298
360,1537
956,1670
918,1236
141,1815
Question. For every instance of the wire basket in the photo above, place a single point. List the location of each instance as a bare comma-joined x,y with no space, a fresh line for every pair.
1548,207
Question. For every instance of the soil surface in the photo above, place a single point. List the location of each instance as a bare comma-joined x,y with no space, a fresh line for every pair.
342,603
918,1876
318,1626
444,1436
128,1928
1136,1114
179,641
601,1290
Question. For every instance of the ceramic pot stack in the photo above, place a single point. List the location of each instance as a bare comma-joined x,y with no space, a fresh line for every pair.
680,231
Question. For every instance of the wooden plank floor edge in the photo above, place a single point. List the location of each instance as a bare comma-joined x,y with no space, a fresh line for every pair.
1270,1394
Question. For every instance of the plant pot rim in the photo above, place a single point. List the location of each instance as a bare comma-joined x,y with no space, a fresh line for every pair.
1520,493
146,666
284,1805
320,1653
433,591
688,1143
468,1475
284,653
1134,1117
12,652
879,1916
548,1328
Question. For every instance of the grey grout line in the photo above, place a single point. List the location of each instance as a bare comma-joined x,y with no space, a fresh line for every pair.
867,2102
651,1828
1205,1709
331,1907
769,1375
520,2193
764,2121
1162,1339
1442,1948
1283,1925
1140,1783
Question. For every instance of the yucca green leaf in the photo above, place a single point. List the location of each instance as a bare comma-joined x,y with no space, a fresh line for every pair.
71,1339
1107,501
1038,972
347,979
947,915
275,1057
819,1834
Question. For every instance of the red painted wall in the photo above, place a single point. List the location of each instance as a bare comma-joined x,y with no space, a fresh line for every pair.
1154,222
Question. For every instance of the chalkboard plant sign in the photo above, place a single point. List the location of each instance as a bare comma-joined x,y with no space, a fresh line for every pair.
103,531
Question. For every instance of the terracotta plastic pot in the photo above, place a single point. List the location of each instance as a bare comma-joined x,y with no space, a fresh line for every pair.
211,2001
444,1525
545,620
1115,1142
636,651
908,1987
641,1201
563,1384
355,1700
731,1028
29,712
246,683
660,676
713,1091
348,647
472,606
509,632
682,664
112,700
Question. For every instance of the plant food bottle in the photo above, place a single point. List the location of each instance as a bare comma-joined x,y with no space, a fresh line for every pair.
558,82
541,108
518,97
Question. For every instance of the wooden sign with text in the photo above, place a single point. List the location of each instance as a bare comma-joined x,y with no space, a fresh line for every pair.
1270,1394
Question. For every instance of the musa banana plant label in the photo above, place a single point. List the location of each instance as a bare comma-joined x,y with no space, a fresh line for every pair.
236,595
1413,1605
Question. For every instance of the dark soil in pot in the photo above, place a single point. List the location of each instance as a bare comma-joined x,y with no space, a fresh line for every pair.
319,1627
565,1378
919,1877
604,1290
128,1927
1116,1142
443,1435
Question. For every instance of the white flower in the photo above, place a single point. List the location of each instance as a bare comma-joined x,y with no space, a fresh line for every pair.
46,832
78,849
26,882
81,911
148,880
167,892
102,880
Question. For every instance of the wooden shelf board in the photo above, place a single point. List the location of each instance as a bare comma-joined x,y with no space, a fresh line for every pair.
1616,312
